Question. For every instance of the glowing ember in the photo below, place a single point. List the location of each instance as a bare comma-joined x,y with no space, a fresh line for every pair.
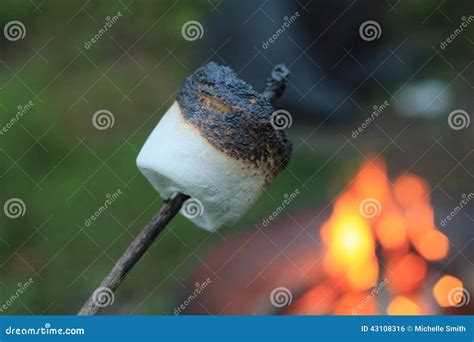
432,245
406,274
403,306
447,291
410,190
317,301
351,301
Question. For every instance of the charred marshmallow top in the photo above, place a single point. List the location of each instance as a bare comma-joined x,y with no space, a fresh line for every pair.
234,118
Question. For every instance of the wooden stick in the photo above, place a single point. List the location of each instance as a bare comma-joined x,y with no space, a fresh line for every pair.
276,84
134,252
274,88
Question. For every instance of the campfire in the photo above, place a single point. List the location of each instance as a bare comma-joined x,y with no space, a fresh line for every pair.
380,245
374,250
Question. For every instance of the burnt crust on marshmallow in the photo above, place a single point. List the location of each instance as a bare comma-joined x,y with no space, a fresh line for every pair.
234,118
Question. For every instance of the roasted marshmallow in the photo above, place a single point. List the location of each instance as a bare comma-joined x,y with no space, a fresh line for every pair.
216,144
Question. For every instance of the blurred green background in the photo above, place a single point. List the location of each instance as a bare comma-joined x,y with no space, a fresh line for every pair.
63,168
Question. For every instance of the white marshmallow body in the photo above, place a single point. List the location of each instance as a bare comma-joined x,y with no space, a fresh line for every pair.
177,158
